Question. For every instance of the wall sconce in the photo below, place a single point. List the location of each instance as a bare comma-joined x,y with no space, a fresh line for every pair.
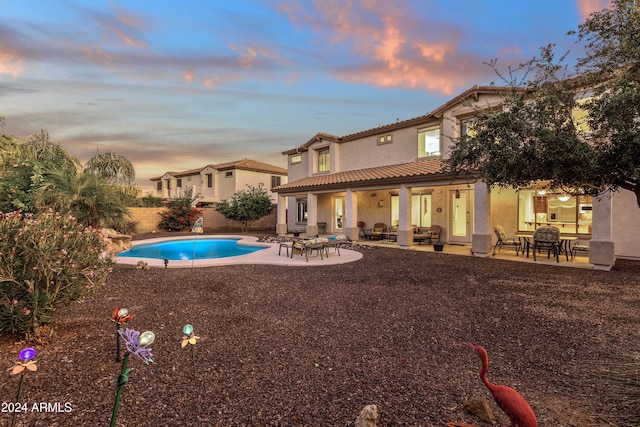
381,204
457,194
373,194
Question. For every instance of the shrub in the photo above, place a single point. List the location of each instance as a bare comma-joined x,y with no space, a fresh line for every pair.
150,202
246,206
45,262
180,214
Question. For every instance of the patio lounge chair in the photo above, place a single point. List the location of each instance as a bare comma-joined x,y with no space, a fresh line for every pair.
580,246
430,234
547,238
334,243
503,240
378,230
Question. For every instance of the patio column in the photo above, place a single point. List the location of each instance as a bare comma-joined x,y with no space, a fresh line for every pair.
482,233
351,216
405,233
312,214
281,220
601,248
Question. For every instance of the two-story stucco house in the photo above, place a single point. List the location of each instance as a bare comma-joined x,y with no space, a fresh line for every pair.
215,182
393,174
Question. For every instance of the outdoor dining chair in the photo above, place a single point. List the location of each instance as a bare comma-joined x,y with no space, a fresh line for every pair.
547,238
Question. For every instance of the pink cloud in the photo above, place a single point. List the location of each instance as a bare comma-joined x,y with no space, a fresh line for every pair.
10,63
587,7
397,51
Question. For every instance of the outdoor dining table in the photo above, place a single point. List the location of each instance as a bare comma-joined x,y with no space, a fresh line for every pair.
565,242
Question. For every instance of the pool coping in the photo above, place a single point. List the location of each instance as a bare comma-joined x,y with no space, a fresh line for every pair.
272,254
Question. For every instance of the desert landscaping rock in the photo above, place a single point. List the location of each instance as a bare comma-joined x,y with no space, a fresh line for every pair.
312,346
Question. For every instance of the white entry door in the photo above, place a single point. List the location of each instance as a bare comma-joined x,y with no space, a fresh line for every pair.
460,216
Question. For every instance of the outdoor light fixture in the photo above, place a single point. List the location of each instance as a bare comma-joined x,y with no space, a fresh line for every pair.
457,194
564,197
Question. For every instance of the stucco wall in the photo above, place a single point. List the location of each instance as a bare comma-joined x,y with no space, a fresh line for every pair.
504,211
626,225
149,218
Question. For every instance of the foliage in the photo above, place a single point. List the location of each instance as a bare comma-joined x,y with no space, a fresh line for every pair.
87,197
111,167
46,261
22,165
621,384
537,137
150,202
180,214
246,206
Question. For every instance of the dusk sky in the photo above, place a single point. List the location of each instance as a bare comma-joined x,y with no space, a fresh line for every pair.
178,85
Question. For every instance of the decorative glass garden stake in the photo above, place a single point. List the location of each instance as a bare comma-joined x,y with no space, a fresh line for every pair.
26,364
188,337
137,344
121,316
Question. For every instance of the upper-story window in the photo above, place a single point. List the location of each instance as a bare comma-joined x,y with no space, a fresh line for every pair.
228,173
179,183
275,180
323,160
385,139
466,127
159,185
296,158
429,142
209,180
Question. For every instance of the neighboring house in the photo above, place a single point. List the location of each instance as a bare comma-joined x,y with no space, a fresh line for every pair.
216,182
393,174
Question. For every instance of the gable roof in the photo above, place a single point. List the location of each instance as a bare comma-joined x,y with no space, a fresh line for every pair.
251,165
473,92
400,173
244,164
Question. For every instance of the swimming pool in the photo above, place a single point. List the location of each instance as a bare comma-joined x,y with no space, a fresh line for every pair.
191,249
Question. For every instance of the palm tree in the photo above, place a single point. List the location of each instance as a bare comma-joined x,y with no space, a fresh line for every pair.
111,167
86,196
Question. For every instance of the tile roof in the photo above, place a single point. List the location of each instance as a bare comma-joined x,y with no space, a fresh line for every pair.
251,165
404,172
244,164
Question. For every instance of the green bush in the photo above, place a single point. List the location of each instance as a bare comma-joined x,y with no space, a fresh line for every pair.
150,202
46,261
179,214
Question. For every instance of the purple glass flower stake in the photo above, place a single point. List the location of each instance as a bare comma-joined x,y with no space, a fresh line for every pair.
27,354
25,364
137,344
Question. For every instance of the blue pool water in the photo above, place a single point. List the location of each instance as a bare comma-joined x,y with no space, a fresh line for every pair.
176,250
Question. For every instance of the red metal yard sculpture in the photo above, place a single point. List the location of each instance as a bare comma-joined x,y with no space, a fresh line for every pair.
509,400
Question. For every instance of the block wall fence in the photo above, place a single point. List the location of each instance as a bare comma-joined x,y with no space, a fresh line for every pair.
147,220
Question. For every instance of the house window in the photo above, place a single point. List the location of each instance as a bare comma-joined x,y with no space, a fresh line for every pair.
188,179
466,127
228,174
323,160
571,214
420,210
429,142
385,139
209,180
275,180
296,158
301,210
159,185
179,183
